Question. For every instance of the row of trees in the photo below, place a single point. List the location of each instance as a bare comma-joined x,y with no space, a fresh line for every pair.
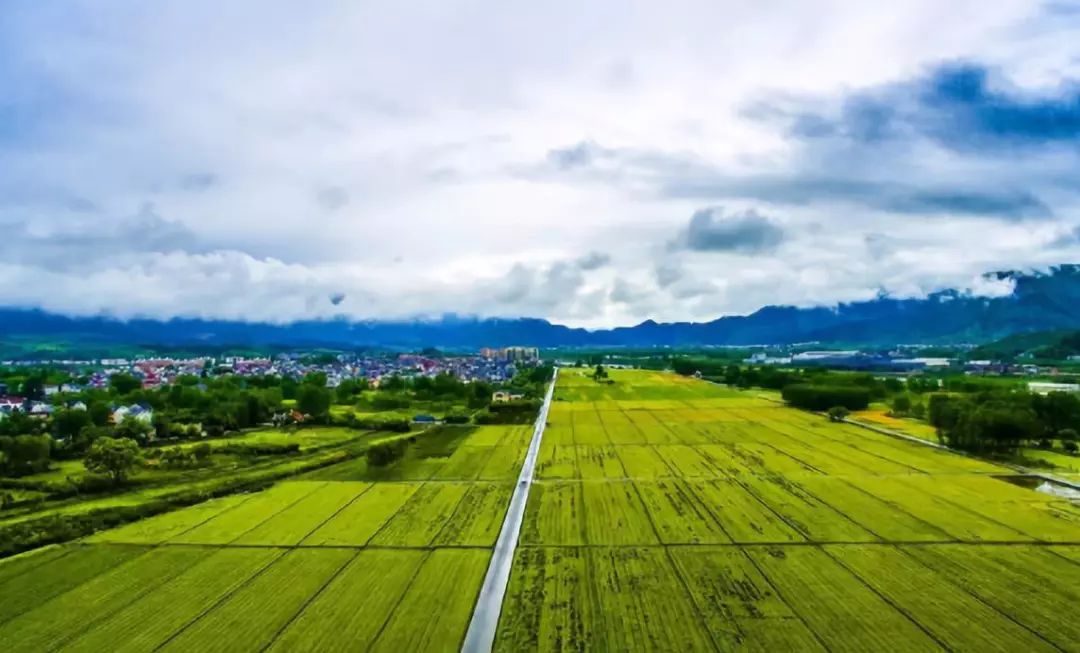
1004,421
824,397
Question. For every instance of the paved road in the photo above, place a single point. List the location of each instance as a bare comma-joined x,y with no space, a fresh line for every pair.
485,619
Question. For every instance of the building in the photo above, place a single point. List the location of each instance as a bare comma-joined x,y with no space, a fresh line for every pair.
502,396
521,353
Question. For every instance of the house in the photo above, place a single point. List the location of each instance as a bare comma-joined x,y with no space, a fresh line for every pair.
9,404
40,409
501,396
424,419
136,411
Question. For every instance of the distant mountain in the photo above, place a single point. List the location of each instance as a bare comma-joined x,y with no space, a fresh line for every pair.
1049,345
1040,302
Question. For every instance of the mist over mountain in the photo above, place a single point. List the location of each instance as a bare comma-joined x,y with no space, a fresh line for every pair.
1038,302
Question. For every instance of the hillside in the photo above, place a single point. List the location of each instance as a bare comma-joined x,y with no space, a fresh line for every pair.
1040,302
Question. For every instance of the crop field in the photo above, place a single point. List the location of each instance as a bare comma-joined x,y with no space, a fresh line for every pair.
673,514
346,558
666,514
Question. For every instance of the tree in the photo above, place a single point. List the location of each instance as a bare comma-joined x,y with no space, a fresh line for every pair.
34,387
599,373
317,379
901,405
99,413
313,400
838,414
134,429
67,422
25,454
942,411
124,383
116,457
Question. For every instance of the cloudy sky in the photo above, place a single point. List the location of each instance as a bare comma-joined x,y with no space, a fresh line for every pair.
593,163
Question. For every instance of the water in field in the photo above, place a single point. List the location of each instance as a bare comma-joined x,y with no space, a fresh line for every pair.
1044,485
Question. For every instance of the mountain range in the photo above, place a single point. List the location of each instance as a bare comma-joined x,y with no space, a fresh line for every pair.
1040,301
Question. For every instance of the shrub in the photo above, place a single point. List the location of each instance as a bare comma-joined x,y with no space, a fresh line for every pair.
261,448
385,453
823,397
456,418
392,424
202,451
838,414
1070,446
901,405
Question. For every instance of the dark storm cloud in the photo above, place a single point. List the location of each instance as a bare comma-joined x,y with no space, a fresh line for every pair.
747,232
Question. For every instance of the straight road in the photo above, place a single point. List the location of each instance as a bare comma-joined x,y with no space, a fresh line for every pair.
481,634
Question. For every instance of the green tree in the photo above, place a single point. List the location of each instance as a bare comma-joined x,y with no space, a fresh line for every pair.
123,384
313,400
99,413
134,429
901,405
114,457
25,454
67,422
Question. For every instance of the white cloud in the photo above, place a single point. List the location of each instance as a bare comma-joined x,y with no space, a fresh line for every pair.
484,158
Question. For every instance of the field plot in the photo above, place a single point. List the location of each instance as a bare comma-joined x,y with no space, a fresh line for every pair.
249,619
350,612
478,518
422,517
554,514
64,617
549,605
230,524
614,514
434,612
712,519
350,558
149,623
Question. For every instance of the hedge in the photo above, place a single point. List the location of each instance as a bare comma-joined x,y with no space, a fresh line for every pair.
824,397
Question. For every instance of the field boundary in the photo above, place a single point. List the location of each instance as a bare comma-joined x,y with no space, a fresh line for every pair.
480,636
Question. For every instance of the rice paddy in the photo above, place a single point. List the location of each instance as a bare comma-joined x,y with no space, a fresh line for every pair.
671,514
666,514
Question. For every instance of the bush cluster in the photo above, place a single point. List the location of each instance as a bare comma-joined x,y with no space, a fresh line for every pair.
824,397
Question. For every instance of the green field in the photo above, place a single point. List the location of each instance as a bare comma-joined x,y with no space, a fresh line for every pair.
667,514
671,514
348,558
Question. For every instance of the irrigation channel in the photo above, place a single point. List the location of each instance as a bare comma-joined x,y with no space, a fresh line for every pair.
485,619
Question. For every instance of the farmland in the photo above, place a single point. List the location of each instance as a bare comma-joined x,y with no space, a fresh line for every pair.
344,558
671,514
665,514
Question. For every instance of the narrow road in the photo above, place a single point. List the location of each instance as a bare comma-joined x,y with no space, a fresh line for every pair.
485,619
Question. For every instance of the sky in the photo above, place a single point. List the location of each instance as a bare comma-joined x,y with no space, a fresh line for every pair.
595,164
